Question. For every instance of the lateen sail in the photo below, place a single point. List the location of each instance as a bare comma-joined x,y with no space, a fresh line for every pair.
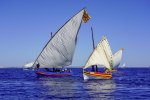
60,49
101,55
117,58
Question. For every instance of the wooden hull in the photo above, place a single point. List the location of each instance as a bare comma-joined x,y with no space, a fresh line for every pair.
113,70
96,75
54,74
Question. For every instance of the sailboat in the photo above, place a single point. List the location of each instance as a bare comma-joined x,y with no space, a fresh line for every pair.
58,52
123,65
102,56
28,65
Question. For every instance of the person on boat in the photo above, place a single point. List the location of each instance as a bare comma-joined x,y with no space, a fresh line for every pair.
47,69
68,70
96,68
53,69
38,66
58,70
93,69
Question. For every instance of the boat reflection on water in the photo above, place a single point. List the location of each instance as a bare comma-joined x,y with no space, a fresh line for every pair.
100,89
75,88
61,88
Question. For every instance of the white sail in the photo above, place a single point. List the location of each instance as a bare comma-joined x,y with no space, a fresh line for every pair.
123,65
101,55
108,51
59,50
117,58
28,65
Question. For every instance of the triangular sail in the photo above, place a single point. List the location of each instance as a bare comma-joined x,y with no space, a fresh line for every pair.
108,51
59,50
123,65
28,65
101,55
117,58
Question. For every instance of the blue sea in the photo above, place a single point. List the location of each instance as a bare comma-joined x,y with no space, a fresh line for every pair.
126,84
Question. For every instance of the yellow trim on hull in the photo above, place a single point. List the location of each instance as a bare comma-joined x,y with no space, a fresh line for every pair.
98,75
113,70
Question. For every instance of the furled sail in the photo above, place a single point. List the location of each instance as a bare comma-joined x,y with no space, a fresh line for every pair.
59,51
117,58
102,55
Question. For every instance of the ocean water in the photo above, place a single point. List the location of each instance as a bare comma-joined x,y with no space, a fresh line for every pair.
127,84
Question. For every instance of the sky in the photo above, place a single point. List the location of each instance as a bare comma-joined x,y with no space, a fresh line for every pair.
25,27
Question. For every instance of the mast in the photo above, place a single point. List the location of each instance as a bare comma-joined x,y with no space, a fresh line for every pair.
51,35
93,38
93,49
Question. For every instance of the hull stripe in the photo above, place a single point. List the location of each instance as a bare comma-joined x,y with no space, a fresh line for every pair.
101,75
51,74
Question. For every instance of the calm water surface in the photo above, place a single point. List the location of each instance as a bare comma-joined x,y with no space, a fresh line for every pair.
127,84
